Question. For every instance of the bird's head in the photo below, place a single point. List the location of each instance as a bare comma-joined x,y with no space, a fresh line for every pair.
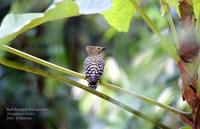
94,50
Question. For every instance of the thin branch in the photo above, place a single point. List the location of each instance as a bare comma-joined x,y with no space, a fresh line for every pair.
197,23
40,61
74,83
164,42
170,21
171,25
173,29
146,99
81,76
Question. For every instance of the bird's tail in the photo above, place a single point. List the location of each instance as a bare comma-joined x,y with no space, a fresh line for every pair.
92,82
93,85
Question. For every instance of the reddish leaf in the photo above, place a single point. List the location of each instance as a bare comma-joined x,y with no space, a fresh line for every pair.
186,12
189,85
186,119
187,77
189,49
197,118
183,70
190,96
188,52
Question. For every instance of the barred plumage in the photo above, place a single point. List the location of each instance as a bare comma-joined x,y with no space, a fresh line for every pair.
94,65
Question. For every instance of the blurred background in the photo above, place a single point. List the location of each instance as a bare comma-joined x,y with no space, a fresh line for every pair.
134,60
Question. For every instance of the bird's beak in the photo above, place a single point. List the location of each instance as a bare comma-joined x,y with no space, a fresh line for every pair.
103,48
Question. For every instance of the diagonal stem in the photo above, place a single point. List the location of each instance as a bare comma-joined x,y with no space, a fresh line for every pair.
146,99
74,83
171,50
81,76
173,29
40,61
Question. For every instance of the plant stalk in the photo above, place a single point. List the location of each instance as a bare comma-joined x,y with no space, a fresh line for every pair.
171,50
74,83
173,29
81,76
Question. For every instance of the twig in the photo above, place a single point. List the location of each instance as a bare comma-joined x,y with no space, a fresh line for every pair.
74,83
164,42
81,76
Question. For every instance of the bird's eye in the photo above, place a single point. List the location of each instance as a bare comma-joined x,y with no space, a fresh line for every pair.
99,48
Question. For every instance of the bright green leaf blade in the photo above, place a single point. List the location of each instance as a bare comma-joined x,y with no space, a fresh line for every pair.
196,7
120,15
61,9
186,127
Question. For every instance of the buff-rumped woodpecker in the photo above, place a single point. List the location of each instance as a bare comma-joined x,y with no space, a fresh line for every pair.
94,65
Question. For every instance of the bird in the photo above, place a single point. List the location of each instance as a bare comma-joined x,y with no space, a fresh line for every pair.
94,65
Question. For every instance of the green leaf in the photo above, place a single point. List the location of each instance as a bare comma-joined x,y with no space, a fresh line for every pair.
14,24
186,127
61,9
120,14
196,7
